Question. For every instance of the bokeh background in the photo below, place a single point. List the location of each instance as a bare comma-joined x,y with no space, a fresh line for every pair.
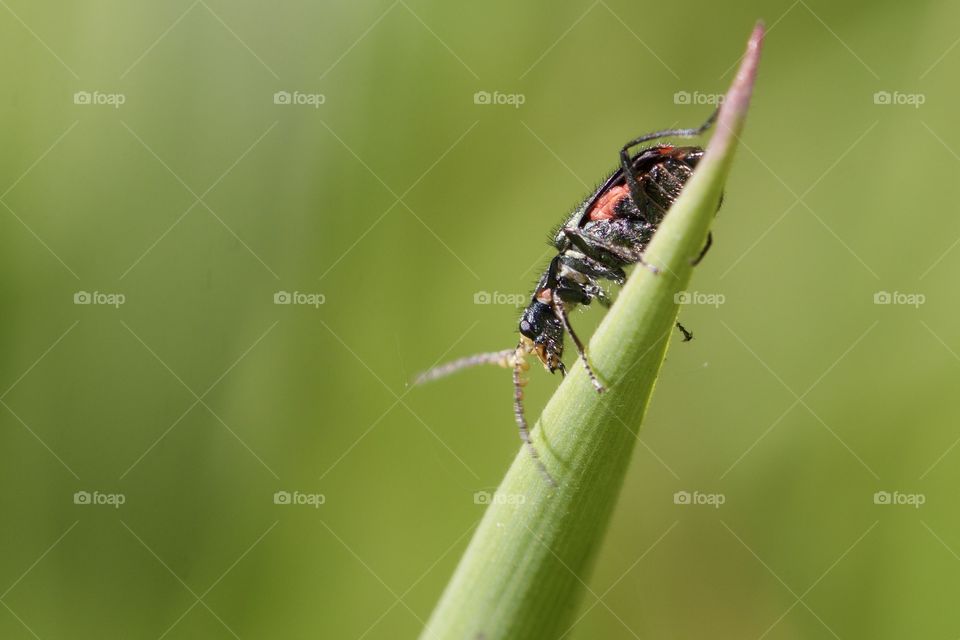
147,168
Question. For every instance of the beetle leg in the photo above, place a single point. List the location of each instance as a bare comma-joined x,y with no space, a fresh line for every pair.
703,252
561,312
587,244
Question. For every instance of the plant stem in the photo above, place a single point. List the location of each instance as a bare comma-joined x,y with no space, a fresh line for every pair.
524,570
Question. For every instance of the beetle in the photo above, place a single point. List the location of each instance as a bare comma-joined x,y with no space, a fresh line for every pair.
607,232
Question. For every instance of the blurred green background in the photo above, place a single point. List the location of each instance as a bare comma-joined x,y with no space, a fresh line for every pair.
384,191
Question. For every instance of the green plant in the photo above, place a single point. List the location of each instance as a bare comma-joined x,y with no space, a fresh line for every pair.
522,573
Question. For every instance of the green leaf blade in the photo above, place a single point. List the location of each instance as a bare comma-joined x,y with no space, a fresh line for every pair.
526,566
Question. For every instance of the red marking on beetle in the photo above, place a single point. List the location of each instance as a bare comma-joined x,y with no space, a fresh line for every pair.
605,207
545,296
666,150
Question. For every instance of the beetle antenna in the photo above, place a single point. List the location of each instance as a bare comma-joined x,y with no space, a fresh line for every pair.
500,358
518,384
